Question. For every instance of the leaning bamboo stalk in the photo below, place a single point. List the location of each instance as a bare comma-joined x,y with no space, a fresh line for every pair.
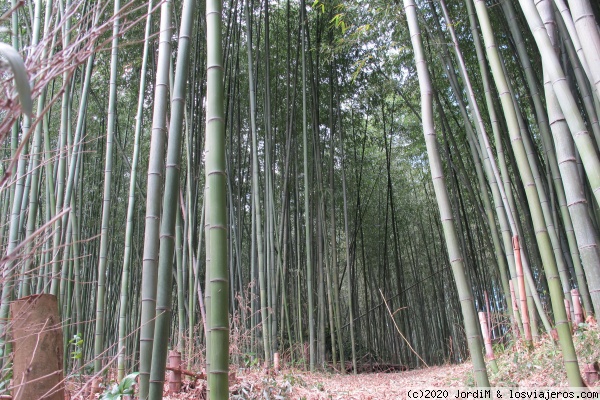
567,19
587,31
585,234
583,141
502,197
542,238
454,252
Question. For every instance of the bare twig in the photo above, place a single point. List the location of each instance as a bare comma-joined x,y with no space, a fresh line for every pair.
398,329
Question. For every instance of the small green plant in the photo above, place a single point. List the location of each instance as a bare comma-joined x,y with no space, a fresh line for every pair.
77,343
118,390
250,360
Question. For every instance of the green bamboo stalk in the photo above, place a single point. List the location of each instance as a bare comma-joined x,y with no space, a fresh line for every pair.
24,289
65,124
170,207
153,204
586,234
127,256
307,225
216,215
111,125
587,31
567,102
454,252
542,237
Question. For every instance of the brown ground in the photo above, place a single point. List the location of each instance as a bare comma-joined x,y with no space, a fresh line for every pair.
540,365
303,385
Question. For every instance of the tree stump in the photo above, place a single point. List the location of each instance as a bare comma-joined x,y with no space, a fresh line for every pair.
175,375
38,348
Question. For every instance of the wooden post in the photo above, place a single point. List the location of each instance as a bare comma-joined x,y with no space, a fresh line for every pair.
175,375
522,293
577,309
38,348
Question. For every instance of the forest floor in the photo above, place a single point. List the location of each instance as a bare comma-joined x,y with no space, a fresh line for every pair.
540,366
519,366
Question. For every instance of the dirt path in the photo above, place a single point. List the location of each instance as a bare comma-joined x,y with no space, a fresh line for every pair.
302,385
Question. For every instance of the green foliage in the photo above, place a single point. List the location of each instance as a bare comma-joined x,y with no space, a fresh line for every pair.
77,343
294,380
250,360
5,377
118,390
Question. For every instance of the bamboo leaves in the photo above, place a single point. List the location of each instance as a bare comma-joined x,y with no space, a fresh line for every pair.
15,63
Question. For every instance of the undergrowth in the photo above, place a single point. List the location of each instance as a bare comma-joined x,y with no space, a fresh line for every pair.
542,365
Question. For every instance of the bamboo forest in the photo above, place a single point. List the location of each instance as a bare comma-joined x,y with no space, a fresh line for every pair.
262,198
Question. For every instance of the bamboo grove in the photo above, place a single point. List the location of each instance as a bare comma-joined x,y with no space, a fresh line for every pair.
242,178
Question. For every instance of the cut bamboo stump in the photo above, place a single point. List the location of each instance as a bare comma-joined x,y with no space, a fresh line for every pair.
175,375
522,292
276,362
38,349
95,389
489,350
591,373
487,340
577,309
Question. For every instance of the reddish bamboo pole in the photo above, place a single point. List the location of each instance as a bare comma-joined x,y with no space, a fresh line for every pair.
489,350
515,308
489,314
276,362
522,292
568,307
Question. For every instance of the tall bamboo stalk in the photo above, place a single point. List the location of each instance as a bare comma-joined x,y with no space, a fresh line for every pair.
111,125
216,216
533,200
127,256
454,253
153,196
